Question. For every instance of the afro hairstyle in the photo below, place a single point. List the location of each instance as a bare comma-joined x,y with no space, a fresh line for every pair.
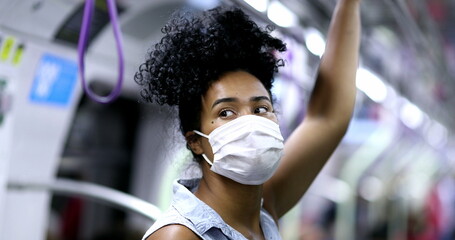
197,49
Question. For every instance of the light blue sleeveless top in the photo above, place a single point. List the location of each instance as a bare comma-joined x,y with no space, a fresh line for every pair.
186,209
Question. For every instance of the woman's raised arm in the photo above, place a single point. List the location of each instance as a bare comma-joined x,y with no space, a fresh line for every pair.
329,112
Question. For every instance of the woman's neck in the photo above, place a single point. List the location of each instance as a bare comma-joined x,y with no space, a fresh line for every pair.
238,205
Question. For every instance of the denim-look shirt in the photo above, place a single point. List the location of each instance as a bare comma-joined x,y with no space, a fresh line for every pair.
186,209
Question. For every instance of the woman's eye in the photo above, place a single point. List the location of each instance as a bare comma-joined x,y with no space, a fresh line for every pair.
260,110
226,113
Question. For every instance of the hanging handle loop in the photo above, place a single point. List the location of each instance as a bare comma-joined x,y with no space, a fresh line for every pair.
82,44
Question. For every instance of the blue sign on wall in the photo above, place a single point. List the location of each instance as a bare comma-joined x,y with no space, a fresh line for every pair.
54,81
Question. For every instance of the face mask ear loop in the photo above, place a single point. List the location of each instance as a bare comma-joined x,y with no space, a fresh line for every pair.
207,159
200,134
203,155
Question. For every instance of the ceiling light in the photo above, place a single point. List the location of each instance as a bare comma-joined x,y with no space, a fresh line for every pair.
315,41
281,15
259,5
411,115
371,85
437,135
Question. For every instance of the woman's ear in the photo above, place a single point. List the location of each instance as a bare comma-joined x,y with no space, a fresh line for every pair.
194,143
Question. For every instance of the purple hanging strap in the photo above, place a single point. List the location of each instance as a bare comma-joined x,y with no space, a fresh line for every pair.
83,38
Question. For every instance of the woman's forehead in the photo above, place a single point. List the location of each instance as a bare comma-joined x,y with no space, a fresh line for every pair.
237,84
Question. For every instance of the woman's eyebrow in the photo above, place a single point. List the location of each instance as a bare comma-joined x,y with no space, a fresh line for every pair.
221,100
231,99
259,98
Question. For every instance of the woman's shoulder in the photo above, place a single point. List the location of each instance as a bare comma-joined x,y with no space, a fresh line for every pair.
173,231
172,225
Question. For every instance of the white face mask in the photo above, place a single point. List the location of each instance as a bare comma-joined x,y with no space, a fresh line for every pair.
246,149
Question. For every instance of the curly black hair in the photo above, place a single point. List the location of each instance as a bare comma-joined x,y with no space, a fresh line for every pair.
197,48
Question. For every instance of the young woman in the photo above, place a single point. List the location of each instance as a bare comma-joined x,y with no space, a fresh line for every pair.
217,68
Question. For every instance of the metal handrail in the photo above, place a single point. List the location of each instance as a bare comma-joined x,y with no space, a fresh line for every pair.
92,191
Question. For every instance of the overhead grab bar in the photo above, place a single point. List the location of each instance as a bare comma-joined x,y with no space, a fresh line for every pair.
82,44
92,191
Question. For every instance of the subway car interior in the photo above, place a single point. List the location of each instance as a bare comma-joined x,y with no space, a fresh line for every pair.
77,166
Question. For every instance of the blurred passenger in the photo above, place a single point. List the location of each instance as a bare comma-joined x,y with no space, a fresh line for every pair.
217,68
